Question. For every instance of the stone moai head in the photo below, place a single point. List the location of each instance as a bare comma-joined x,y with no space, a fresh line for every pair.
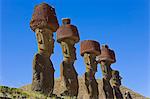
106,58
116,78
44,23
89,49
107,55
67,36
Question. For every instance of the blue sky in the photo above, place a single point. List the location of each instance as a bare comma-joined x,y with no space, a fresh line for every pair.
122,24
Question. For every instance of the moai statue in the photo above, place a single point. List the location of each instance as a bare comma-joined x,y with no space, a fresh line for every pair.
127,95
43,23
116,83
106,58
67,36
89,49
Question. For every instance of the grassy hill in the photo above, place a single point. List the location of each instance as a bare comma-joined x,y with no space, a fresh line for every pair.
26,93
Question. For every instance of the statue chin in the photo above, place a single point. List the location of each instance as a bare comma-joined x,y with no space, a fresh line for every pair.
69,59
45,52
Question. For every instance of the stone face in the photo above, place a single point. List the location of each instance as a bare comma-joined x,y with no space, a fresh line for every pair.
67,36
68,49
116,78
44,16
106,55
89,46
106,70
67,31
45,41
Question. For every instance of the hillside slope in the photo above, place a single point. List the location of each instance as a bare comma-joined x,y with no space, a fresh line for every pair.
82,92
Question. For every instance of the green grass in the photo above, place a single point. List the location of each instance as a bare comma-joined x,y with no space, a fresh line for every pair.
19,93
15,93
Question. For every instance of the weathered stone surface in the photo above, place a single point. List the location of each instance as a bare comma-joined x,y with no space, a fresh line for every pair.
108,90
43,75
89,49
116,83
91,87
67,36
45,41
106,58
44,23
67,31
68,72
116,78
106,71
128,95
44,16
69,77
89,46
43,71
106,54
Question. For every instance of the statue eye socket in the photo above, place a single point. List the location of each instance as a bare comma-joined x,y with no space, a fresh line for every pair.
64,49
